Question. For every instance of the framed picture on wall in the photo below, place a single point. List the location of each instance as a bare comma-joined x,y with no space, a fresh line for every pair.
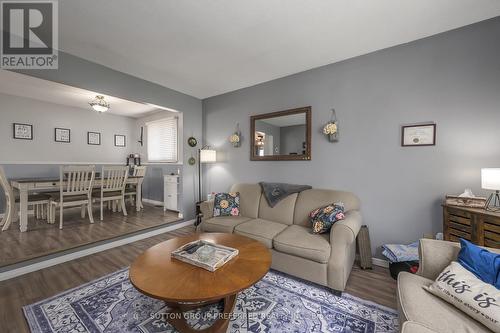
418,135
62,135
23,131
94,138
120,140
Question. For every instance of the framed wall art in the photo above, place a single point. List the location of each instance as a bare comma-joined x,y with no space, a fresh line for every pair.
62,135
418,135
94,138
22,131
120,140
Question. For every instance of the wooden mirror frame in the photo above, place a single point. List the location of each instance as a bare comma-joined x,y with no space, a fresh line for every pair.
306,157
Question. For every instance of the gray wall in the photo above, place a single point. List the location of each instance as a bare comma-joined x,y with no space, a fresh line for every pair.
451,78
45,117
84,74
275,131
291,139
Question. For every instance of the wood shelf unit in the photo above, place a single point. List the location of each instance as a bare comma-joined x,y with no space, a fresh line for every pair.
474,224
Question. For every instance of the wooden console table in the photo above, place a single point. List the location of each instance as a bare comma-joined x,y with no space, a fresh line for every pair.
474,224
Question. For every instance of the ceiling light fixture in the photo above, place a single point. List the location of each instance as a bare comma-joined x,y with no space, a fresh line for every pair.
99,104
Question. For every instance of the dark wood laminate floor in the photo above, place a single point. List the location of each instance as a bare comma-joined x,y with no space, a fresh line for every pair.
375,285
43,239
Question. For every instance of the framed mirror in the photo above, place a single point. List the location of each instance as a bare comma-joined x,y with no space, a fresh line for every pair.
281,136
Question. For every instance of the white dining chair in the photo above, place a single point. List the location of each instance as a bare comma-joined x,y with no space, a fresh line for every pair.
114,180
39,202
75,190
131,189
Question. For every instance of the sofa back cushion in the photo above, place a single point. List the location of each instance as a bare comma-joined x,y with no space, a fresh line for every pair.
316,198
249,199
282,212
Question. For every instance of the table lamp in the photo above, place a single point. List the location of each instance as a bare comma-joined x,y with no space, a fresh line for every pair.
490,180
205,155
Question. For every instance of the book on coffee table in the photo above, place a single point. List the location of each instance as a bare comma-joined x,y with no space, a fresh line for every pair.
208,255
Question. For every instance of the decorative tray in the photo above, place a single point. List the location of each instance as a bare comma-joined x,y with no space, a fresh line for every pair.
476,202
204,254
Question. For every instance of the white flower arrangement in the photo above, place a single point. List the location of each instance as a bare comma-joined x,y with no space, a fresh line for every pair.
330,128
235,138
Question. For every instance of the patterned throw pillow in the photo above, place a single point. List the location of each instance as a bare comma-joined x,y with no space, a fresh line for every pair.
323,218
227,204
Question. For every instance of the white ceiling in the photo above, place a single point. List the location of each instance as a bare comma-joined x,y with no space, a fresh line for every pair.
205,48
30,87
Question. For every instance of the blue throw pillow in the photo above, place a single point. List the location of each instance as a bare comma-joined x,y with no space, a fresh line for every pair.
481,262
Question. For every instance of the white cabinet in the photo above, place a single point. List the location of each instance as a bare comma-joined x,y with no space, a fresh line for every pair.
170,192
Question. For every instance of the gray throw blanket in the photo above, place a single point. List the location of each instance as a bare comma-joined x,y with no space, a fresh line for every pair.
275,192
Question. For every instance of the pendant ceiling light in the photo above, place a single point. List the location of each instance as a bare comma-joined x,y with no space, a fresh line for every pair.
99,104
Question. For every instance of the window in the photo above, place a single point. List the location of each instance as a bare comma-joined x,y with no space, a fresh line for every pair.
162,140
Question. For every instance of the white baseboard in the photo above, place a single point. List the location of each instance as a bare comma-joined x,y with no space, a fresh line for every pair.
153,202
380,262
83,253
377,262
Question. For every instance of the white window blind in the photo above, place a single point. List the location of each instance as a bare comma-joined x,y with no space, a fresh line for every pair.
162,140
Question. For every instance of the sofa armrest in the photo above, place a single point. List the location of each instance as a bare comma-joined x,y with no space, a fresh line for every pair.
435,255
346,229
343,249
207,209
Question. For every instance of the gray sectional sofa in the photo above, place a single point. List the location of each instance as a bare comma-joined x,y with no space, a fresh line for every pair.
325,259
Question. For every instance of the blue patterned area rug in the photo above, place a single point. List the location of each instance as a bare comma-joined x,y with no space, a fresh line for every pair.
277,303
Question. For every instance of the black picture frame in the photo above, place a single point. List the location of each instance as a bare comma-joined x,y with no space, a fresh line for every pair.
62,129
98,136
16,136
124,140
406,127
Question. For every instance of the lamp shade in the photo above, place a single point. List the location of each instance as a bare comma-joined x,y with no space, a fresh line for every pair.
490,179
208,156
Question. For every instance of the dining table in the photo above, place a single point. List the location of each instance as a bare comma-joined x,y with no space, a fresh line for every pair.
27,185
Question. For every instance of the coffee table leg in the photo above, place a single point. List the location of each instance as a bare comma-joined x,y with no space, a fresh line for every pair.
178,320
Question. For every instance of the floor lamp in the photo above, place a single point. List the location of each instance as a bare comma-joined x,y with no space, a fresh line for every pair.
205,155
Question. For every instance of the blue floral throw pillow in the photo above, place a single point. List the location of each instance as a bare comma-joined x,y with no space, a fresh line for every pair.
227,204
323,218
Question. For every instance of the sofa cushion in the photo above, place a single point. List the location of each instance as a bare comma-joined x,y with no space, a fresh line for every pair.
315,198
301,242
249,199
431,311
282,212
413,327
261,230
223,223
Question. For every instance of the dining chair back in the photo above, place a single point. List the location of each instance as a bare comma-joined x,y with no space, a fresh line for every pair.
114,180
139,171
75,189
76,180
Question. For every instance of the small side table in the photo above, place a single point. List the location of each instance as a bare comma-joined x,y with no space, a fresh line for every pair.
365,248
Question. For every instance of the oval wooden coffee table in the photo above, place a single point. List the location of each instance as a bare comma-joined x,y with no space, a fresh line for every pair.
185,287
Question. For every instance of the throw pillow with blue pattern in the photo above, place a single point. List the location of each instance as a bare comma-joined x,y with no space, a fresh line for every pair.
323,218
227,204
